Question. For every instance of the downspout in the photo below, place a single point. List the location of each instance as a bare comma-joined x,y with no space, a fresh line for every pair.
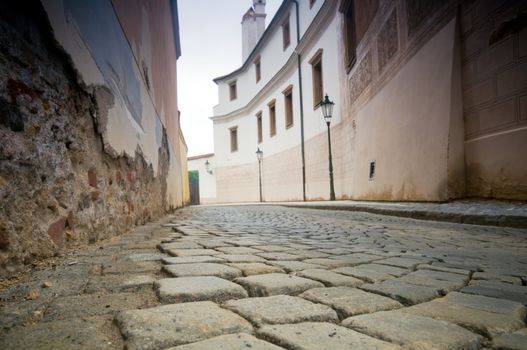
301,101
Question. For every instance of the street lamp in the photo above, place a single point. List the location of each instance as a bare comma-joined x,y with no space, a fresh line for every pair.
207,167
259,156
327,111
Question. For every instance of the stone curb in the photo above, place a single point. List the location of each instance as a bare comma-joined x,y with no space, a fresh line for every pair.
513,221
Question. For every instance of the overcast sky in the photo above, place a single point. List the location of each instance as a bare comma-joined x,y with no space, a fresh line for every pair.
210,33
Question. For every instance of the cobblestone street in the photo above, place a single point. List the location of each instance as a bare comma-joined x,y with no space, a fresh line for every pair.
268,277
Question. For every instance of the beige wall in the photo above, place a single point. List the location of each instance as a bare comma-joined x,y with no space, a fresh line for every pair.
495,99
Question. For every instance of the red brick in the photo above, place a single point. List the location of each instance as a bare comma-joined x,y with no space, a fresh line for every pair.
56,230
92,177
131,177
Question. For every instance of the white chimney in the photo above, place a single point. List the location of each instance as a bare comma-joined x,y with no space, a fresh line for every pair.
253,26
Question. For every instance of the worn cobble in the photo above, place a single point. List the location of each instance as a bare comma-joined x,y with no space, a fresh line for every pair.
269,277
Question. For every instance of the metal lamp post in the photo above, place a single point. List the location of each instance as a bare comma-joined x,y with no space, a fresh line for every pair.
327,110
259,156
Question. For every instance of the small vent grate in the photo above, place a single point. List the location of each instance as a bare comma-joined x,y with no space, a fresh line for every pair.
372,170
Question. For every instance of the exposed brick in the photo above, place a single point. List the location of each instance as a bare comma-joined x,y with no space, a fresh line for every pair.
130,175
92,177
56,230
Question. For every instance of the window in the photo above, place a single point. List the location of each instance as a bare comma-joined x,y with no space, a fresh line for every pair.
358,16
234,138
311,3
232,90
350,44
286,33
288,103
257,69
272,118
372,170
316,69
259,126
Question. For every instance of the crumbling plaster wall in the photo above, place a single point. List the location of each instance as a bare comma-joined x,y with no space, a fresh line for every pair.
65,178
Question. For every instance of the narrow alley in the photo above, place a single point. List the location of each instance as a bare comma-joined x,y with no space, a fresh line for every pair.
268,277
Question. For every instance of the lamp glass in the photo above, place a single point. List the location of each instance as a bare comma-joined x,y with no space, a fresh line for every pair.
327,108
259,154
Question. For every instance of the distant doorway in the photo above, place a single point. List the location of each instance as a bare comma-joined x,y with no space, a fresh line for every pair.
193,180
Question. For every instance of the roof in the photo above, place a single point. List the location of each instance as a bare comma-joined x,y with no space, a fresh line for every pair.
175,26
206,155
267,33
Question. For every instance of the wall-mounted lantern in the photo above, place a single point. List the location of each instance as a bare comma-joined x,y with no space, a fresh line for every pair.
207,167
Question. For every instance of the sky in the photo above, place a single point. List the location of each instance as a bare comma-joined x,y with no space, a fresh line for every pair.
210,33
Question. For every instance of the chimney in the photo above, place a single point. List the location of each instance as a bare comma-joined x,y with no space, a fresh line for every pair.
253,26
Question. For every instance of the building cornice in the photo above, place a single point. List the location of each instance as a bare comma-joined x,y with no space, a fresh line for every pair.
313,32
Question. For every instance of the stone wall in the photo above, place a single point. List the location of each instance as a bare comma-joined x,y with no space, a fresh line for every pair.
59,184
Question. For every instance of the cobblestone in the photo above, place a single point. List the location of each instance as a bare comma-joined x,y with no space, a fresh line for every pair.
311,280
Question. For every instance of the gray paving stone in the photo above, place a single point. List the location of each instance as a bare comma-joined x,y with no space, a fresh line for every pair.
179,245
444,282
489,304
241,258
238,250
211,244
357,258
249,269
512,341
329,263
414,332
309,254
203,269
239,341
185,289
371,272
497,289
318,335
136,281
405,293
276,283
146,257
479,319
272,248
444,269
329,278
350,301
494,277
171,325
280,309
279,256
407,263
290,266
85,333
193,259
191,252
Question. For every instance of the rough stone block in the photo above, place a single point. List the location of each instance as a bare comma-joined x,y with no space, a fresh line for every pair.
279,256
495,277
272,248
276,283
191,252
229,342
407,263
444,269
203,269
512,341
372,272
280,309
238,250
499,290
414,332
184,289
178,324
193,259
291,266
179,245
250,269
241,258
329,263
320,335
404,292
350,301
329,278
486,316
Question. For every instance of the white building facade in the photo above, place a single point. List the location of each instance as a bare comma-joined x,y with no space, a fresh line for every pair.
204,164
267,104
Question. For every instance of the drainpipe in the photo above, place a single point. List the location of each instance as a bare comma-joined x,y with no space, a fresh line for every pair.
301,102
